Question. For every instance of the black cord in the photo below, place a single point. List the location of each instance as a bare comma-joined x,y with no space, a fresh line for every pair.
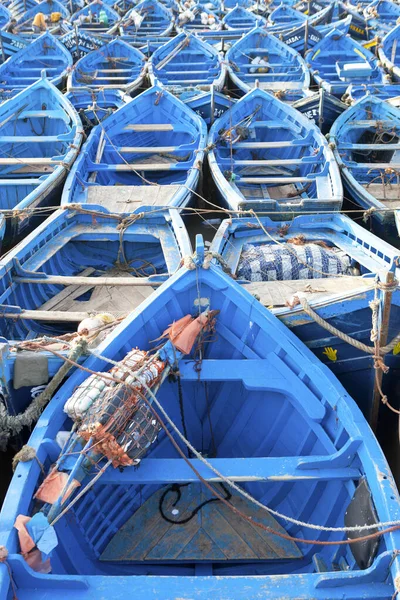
176,487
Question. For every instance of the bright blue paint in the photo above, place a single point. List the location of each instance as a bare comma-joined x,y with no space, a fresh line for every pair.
358,147
349,312
341,442
310,171
286,71
185,134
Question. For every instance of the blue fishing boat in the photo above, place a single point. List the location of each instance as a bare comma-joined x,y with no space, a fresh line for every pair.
382,16
148,19
186,64
322,266
40,136
285,17
231,4
266,156
338,61
18,7
389,52
78,43
25,67
5,17
149,152
243,19
93,106
95,18
261,57
10,44
321,108
388,91
304,36
209,105
198,19
366,144
255,466
108,267
115,65
24,24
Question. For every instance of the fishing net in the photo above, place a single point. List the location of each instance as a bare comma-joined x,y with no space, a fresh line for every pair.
274,262
114,415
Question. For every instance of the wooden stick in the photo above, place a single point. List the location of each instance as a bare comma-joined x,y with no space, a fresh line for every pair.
92,281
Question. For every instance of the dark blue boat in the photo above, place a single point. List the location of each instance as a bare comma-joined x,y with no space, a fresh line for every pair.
209,105
304,37
321,108
79,43
338,61
187,64
266,156
40,137
254,466
149,152
116,65
330,262
102,272
259,56
25,67
366,143
10,44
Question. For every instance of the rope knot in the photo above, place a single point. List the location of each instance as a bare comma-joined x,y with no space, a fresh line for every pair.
26,454
189,263
3,554
368,213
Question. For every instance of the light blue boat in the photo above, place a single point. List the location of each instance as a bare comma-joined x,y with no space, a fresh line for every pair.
46,7
25,67
150,249
331,262
40,137
276,446
95,106
155,139
242,19
186,64
202,19
115,65
148,19
382,16
389,52
338,61
5,17
266,156
366,146
261,57
88,18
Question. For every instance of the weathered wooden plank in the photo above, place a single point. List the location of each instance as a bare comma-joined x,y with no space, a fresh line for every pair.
92,281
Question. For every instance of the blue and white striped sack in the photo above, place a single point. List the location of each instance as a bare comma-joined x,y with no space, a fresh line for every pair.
274,262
